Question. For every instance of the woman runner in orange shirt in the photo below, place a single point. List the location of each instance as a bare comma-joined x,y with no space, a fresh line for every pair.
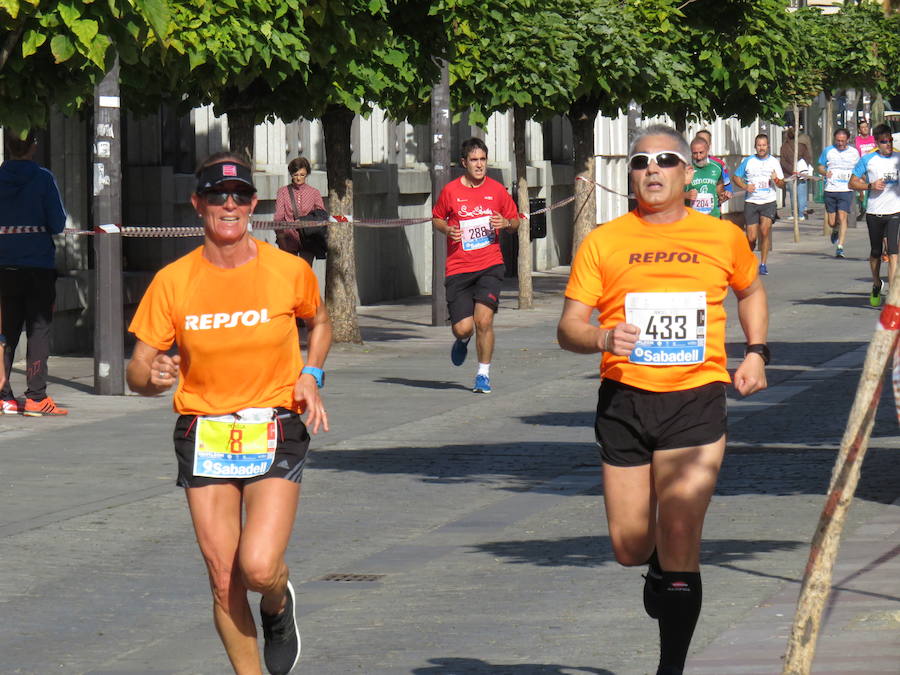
230,307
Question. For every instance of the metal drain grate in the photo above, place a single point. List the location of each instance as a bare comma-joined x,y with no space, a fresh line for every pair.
351,577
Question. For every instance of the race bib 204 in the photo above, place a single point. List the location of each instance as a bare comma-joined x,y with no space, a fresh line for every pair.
704,202
673,327
476,233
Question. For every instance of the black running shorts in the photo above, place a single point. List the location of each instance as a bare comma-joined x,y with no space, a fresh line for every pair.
464,290
633,423
290,453
753,212
880,228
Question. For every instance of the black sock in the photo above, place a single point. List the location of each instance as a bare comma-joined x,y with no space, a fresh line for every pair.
680,597
652,584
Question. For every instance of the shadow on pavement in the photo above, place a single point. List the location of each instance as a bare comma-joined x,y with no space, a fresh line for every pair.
593,551
422,384
585,551
522,467
515,467
464,666
562,419
70,383
381,334
785,471
805,354
837,300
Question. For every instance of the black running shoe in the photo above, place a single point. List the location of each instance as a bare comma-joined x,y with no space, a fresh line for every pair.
282,650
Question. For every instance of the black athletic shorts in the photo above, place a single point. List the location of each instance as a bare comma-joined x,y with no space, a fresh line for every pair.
290,453
633,423
753,212
880,228
464,290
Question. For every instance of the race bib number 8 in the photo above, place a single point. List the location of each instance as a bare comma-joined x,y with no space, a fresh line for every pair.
230,447
476,233
673,327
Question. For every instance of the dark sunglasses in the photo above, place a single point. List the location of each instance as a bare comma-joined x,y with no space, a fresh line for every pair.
216,198
666,159
886,140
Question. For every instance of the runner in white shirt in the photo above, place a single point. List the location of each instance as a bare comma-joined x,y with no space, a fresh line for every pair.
759,175
836,163
878,173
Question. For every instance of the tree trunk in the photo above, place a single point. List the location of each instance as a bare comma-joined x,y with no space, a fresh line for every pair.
828,122
12,39
440,176
877,112
582,115
241,125
340,264
526,289
827,133
852,104
796,185
817,579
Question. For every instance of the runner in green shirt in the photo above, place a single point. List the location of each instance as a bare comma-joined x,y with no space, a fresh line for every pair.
702,194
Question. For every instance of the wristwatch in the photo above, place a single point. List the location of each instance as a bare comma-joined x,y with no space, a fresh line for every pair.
761,349
317,373
2,340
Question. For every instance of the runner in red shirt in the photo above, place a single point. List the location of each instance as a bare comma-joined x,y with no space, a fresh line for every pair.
471,211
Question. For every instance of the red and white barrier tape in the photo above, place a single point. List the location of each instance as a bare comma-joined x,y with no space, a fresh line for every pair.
197,230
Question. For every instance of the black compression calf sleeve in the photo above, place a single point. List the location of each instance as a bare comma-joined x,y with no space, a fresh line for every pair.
680,598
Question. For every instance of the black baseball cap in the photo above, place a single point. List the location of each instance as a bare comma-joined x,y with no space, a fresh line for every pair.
221,172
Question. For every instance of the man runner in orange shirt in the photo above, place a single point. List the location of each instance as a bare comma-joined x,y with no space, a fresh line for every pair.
659,277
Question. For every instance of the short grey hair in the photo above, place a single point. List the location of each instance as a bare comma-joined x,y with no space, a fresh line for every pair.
661,130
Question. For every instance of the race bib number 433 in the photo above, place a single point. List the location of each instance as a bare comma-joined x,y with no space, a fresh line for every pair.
476,233
673,327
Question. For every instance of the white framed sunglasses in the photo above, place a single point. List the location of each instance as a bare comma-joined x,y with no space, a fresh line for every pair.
665,159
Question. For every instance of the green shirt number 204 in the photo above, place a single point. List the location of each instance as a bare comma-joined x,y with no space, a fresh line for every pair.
706,179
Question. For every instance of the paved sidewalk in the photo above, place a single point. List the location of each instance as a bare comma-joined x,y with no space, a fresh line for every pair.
469,528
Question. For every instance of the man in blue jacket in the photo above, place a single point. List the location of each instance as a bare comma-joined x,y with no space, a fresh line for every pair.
32,213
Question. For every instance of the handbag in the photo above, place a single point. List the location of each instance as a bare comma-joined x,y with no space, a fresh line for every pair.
312,239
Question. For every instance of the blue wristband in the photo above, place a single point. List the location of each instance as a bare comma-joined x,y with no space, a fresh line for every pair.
317,373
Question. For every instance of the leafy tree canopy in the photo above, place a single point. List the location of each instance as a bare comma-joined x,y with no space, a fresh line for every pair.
54,53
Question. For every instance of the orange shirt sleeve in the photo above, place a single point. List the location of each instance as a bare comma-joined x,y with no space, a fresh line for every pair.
585,280
152,322
306,293
746,266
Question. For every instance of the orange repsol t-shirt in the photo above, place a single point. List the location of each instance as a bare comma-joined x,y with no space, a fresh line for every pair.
235,328
671,281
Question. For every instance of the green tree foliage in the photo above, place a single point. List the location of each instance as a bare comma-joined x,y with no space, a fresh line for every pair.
53,53
734,58
856,47
528,64
230,54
